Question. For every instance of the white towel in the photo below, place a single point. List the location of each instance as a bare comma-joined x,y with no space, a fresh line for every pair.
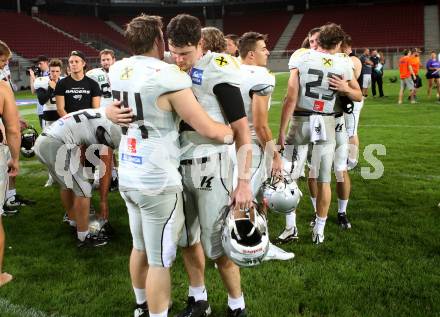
317,128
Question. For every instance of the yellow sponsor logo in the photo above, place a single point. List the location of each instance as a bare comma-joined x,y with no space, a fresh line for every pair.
126,73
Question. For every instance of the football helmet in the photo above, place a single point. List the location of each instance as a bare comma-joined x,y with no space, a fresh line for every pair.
99,227
28,137
245,238
280,194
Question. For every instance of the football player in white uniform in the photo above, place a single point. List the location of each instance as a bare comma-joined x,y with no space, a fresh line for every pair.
299,153
150,182
315,77
59,147
8,154
256,88
100,75
206,167
45,90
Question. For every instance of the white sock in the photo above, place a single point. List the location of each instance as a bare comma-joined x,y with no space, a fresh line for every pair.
82,235
199,293
162,314
236,303
320,224
291,220
139,293
10,193
342,206
313,199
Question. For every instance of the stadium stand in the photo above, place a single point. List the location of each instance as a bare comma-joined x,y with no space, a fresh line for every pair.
271,23
30,38
90,26
384,25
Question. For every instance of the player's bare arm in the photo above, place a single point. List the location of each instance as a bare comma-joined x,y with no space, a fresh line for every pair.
61,106
264,134
12,127
289,104
349,88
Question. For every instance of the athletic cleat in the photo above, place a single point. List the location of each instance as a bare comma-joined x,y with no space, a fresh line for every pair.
9,211
90,241
141,310
343,221
200,308
17,201
317,238
237,312
287,235
66,218
313,221
275,253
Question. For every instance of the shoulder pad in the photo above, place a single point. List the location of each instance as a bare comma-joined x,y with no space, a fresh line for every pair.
96,74
262,89
171,78
41,82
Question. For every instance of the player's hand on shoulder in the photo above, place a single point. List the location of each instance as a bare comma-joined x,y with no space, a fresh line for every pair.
338,83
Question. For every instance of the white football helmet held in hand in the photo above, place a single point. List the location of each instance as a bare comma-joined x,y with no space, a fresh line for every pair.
245,237
280,194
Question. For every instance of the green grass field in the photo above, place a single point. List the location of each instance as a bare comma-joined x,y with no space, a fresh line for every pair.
387,265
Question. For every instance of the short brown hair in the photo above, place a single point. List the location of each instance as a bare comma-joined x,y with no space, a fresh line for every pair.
184,30
55,62
5,50
305,43
313,31
347,41
233,37
142,31
107,51
248,42
213,40
330,35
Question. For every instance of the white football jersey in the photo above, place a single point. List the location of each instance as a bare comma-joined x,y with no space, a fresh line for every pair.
101,77
149,150
255,79
85,127
212,69
315,68
43,82
5,73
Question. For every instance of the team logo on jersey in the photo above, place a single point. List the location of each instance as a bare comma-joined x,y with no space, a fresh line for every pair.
101,78
318,105
77,97
328,62
131,145
196,76
221,61
126,73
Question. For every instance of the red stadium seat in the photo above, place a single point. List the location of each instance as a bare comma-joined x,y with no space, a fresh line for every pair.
271,23
30,38
369,26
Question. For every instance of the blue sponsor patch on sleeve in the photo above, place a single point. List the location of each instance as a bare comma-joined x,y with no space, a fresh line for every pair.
196,76
132,159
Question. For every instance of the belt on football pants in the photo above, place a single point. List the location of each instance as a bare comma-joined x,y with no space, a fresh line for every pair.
200,160
338,114
310,113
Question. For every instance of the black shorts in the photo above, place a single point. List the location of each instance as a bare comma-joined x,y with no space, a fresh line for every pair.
417,82
430,75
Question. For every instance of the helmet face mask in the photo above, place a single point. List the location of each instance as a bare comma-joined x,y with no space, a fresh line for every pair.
28,137
245,238
99,227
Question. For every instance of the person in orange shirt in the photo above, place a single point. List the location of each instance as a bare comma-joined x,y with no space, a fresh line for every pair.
407,76
415,63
